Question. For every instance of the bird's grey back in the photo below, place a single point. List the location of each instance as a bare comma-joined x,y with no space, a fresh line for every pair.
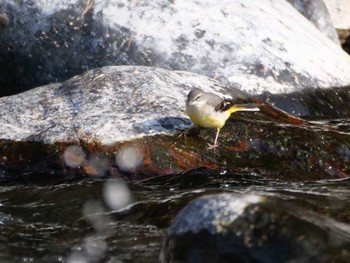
212,99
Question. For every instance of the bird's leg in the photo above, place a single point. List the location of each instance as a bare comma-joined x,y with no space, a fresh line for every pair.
212,146
184,132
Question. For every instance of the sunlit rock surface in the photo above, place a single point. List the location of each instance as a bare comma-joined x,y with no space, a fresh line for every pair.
127,120
316,11
260,47
234,228
105,105
339,11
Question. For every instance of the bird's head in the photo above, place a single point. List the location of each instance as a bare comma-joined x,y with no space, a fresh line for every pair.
194,97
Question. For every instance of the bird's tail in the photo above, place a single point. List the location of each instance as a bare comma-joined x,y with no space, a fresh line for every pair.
244,107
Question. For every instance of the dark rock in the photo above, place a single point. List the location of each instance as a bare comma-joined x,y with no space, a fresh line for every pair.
314,103
232,228
346,43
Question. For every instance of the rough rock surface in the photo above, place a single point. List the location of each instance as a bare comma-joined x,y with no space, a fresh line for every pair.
260,47
104,105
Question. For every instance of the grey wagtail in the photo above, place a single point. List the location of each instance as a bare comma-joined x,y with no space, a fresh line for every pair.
211,111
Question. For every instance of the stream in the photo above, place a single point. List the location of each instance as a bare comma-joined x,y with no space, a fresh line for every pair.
75,222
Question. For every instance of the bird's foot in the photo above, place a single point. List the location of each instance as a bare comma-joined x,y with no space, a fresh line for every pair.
184,133
212,146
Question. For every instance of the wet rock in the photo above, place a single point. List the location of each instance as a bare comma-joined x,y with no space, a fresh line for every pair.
232,228
313,103
248,147
45,42
4,20
135,114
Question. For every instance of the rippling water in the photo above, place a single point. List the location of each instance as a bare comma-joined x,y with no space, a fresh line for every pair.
75,223
48,224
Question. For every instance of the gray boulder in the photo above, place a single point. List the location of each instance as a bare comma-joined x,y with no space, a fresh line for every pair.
339,11
104,105
121,107
316,11
259,47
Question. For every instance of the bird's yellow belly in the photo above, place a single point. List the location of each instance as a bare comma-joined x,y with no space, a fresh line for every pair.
209,120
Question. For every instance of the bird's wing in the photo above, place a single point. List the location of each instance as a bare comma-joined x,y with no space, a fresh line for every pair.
212,99
224,105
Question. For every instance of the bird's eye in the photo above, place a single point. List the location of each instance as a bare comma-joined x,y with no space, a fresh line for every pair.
197,98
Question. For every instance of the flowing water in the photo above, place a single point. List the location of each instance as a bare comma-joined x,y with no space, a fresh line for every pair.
76,221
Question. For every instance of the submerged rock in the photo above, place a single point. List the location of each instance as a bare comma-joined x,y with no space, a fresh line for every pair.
232,228
259,47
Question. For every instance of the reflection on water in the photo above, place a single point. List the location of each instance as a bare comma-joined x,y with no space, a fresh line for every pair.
69,223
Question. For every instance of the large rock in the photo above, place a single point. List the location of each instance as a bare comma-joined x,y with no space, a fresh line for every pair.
128,105
233,228
125,106
105,105
259,46
316,11
339,11
118,103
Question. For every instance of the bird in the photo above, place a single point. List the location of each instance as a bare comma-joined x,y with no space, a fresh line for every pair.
209,110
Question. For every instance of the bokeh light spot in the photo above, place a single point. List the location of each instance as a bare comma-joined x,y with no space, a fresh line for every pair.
117,194
97,165
129,158
74,156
